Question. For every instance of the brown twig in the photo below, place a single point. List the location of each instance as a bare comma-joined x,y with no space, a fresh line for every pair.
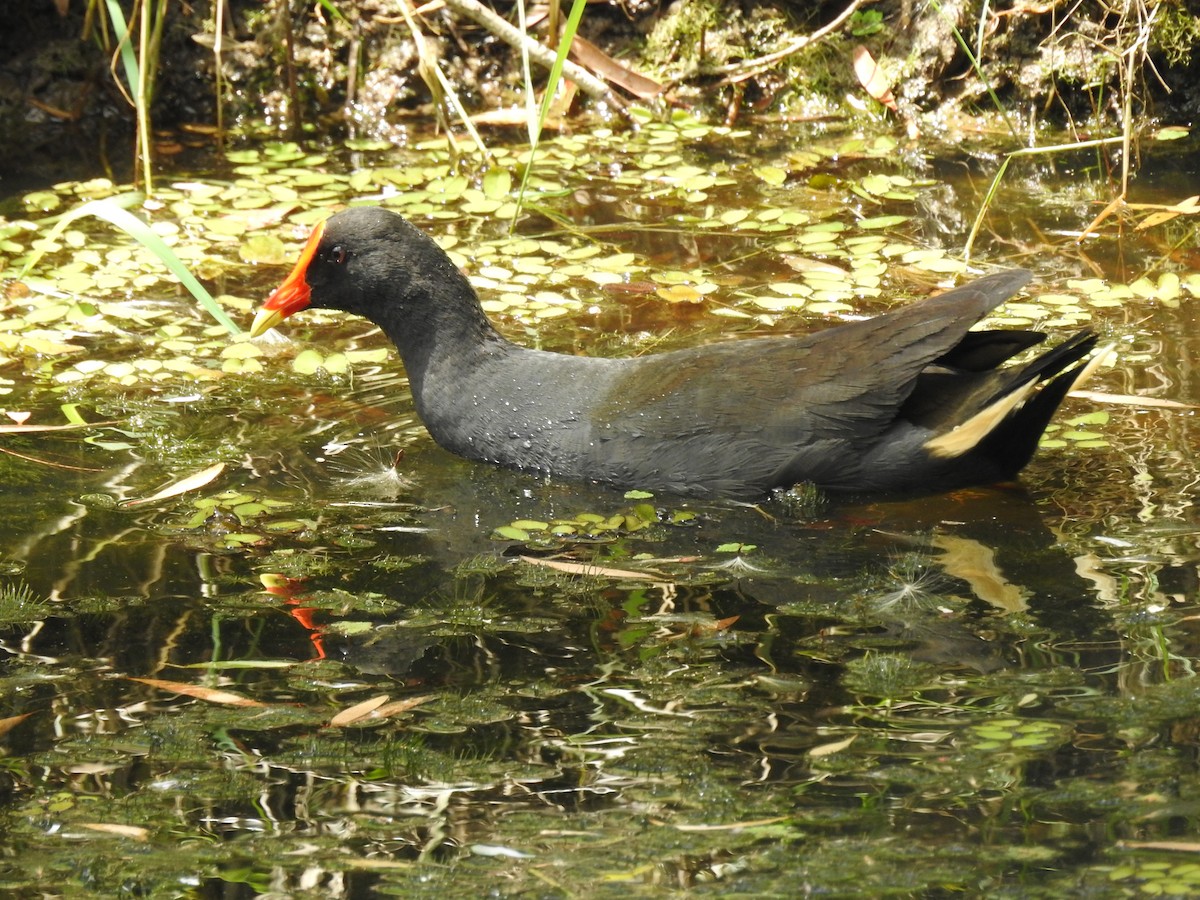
46,462
588,83
745,69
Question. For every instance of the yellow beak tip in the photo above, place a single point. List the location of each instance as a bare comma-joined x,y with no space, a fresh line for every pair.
264,321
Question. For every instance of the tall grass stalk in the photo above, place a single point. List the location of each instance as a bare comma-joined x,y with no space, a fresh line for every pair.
440,88
139,69
538,123
994,187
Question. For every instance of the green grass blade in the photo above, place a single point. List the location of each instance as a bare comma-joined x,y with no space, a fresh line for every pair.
527,76
332,10
128,58
974,60
113,211
994,187
564,48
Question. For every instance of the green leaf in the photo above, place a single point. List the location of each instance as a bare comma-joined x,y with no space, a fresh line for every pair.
263,249
509,532
1171,133
772,175
530,525
735,548
497,182
43,201
882,222
70,412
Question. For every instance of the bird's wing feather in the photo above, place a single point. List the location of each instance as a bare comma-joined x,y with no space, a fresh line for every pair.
842,383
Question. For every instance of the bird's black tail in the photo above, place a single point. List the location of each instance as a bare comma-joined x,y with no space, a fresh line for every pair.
1015,440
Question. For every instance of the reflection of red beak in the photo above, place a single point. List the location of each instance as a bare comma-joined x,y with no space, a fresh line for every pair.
281,585
289,588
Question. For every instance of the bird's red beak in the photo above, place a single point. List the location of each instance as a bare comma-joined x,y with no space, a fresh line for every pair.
291,296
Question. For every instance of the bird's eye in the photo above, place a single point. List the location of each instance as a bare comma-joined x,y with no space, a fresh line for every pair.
337,255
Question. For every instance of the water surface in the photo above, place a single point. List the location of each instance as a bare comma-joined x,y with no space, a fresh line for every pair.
988,691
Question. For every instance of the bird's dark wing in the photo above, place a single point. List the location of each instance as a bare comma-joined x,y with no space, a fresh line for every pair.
845,383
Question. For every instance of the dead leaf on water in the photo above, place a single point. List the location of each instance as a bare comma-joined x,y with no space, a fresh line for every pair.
373,864
32,429
832,748
1180,846
1133,400
199,692
585,568
127,831
358,711
808,264
1165,213
191,483
375,708
733,826
704,629
398,706
680,293
47,462
94,768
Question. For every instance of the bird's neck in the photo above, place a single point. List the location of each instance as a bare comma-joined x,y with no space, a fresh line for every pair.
450,332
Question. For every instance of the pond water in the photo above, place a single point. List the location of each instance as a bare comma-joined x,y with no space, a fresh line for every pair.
349,664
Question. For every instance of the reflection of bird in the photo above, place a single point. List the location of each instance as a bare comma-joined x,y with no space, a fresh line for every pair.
907,401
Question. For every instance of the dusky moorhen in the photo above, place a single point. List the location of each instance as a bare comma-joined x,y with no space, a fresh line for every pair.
908,401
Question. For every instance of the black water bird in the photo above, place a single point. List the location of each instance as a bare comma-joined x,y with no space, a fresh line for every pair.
908,401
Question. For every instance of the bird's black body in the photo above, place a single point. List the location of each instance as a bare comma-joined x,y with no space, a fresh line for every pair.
910,400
